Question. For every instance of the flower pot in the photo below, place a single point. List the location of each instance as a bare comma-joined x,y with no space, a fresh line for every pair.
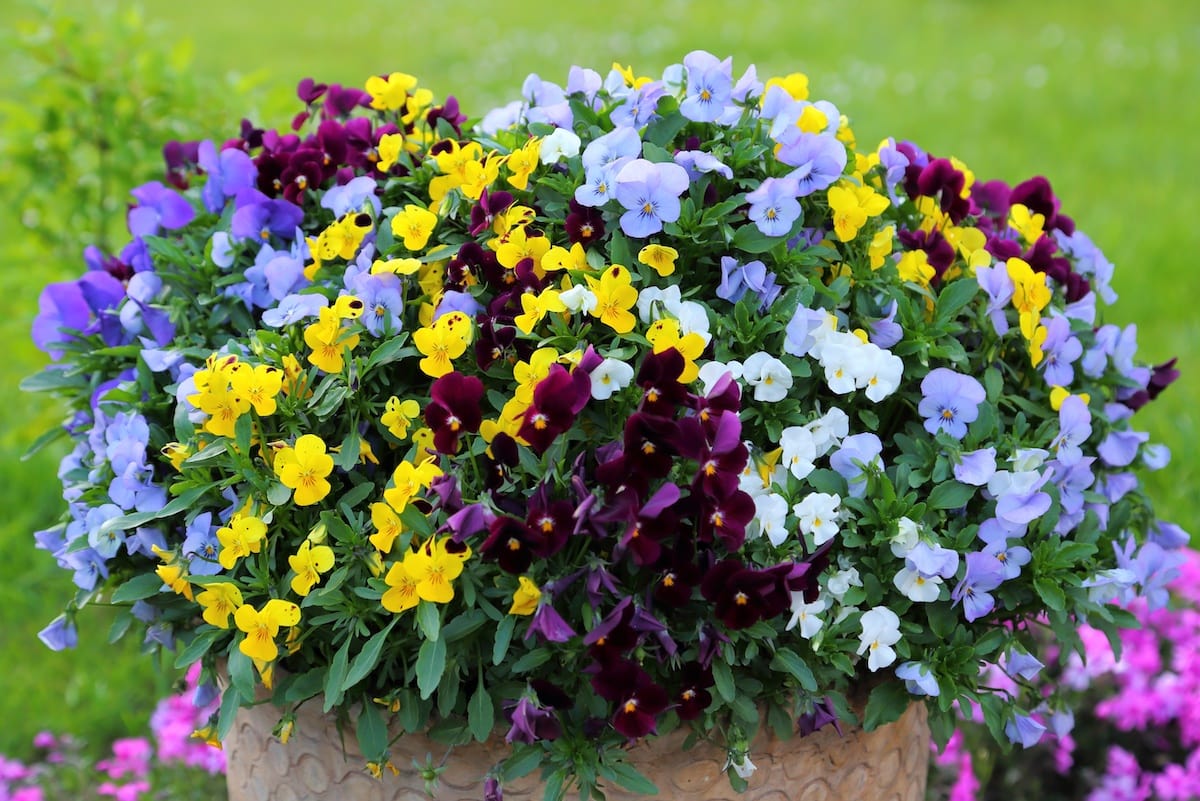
888,764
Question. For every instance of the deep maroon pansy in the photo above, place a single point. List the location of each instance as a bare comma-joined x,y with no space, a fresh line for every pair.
692,696
454,410
508,544
484,212
659,380
583,225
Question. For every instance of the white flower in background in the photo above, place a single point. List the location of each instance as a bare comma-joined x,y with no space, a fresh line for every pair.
883,372
818,516
840,583
799,451
578,299
907,535
560,143
822,336
829,430
805,615
693,319
770,516
1028,459
711,373
742,766
916,587
880,631
770,377
610,376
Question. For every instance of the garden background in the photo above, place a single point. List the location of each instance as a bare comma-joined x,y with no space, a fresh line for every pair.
1099,96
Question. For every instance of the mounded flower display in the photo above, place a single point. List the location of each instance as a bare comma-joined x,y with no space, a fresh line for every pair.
637,404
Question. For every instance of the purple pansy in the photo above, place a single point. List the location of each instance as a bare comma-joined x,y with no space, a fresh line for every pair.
737,279
158,206
984,574
773,205
650,193
351,196
294,308
886,332
1074,427
1024,730
818,160
138,315
60,634
799,339
258,217
201,547
918,679
229,172
709,86
382,303
857,449
932,560
995,534
999,287
639,106
976,467
699,162
1061,349
950,401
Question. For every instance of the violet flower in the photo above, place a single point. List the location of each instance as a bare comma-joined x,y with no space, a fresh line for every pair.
158,206
709,86
229,172
818,160
1061,349
951,401
773,205
650,193
984,574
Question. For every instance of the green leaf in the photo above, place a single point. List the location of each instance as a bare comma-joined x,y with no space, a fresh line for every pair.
367,658
357,495
347,456
336,676
137,588
241,673
787,661
504,633
242,429
431,663
723,678
529,661
631,779
197,648
429,620
52,379
524,760
462,625
950,495
481,714
372,733
1051,593
943,619
278,494
231,702
210,451
45,439
619,251
953,297
663,130
886,704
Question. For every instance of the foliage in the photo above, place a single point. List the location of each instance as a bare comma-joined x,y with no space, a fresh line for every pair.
639,321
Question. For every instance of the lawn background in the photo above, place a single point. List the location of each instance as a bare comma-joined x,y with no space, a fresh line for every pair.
1101,97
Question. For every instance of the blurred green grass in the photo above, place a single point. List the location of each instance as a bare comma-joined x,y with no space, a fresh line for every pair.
1098,96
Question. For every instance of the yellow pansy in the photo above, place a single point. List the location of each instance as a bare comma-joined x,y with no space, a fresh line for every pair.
881,246
1030,294
387,527
795,84
1026,223
243,536
525,599
219,602
402,589
659,258
261,627
414,225
223,409
304,468
434,569
1059,394
914,267
258,386
852,205
519,245
398,416
522,162
558,258
390,93
615,296
408,480
665,333
535,307
309,562
328,338
528,374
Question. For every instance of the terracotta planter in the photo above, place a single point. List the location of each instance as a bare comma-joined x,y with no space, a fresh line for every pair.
888,764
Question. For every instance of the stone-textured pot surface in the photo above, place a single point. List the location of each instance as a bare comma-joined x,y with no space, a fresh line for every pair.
888,764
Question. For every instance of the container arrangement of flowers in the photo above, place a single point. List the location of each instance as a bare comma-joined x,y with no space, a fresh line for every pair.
639,404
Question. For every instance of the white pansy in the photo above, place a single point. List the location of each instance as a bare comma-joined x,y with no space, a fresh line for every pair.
883,372
841,360
757,477
770,516
829,430
693,319
916,587
880,631
805,615
654,303
841,581
610,376
711,372
560,143
742,766
817,516
799,451
1028,459
770,377
823,335
907,535
578,299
